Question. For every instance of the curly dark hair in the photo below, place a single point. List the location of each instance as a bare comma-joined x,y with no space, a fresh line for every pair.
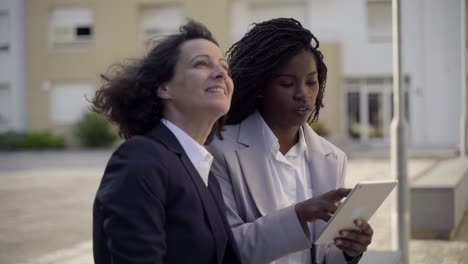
128,98
253,60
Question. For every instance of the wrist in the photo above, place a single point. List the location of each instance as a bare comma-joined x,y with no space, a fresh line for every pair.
350,259
347,257
300,217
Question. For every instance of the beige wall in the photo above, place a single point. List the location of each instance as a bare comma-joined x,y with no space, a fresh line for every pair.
215,14
115,38
332,115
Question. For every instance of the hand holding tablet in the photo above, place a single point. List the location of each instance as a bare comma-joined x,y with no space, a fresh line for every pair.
320,207
362,202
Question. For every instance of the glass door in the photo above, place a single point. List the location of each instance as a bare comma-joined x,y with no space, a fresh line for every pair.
369,110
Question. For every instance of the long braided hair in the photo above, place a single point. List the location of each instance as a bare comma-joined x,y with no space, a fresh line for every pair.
254,59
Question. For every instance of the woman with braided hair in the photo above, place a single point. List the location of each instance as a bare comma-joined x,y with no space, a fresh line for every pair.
281,181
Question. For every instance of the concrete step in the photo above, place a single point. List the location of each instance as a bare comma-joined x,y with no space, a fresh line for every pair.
439,200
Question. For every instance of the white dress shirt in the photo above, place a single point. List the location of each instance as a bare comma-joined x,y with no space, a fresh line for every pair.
198,155
291,180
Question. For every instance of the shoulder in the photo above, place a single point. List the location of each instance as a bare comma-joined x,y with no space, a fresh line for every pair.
229,142
135,158
332,147
140,150
137,163
323,145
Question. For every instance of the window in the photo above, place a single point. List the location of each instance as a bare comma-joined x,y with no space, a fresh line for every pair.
370,108
158,21
262,12
354,128
379,20
70,27
466,25
4,31
244,13
68,101
375,118
5,106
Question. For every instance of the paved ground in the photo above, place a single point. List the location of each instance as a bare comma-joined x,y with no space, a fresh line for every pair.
46,199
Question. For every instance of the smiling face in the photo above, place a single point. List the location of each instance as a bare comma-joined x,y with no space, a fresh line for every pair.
201,86
289,96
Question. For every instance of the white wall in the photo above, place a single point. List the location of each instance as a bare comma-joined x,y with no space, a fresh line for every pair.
345,21
12,66
246,12
431,57
432,52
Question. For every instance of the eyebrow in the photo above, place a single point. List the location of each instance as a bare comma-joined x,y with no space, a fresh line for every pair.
206,56
291,75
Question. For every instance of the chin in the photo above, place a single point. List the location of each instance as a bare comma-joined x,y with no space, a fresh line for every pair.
297,122
219,109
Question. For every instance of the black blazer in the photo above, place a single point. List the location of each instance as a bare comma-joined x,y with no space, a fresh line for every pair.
153,207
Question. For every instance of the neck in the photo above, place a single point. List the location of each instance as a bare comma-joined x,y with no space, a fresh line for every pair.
196,128
287,137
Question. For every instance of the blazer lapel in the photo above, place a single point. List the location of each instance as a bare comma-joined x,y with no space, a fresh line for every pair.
215,189
212,212
322,161
165,136
323,168
255,167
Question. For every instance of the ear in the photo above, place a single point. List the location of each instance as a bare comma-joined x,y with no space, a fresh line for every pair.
162,91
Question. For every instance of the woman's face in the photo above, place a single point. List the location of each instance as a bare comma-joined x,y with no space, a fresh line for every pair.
201,86
289,96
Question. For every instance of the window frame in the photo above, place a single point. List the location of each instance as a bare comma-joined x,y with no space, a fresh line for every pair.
66,37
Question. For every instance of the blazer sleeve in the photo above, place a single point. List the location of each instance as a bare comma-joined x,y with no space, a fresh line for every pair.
132,198
267,238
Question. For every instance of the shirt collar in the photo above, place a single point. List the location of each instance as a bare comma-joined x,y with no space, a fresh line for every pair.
195,152
301,146
271,141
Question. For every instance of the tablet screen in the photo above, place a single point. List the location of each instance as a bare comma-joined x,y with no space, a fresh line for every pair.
362,202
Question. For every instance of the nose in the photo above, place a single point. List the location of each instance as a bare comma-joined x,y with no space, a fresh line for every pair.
301,92
219,72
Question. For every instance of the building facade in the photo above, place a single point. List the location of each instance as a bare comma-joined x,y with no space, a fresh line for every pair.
361,31
12,93
68,43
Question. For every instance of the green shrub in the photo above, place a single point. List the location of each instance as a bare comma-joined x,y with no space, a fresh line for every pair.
11,140
42,140
95,131
320,128
30,140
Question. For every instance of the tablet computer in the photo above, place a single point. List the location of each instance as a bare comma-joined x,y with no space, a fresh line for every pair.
362,202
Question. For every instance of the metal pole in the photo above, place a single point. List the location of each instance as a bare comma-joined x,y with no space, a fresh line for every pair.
464,92
399,139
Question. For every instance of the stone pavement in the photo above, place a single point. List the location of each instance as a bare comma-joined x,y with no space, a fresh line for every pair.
46,199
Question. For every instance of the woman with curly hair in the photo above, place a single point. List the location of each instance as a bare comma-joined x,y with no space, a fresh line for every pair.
281,181
156,202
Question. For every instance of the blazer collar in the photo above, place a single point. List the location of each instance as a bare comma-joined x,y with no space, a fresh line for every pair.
249,136
163,135
255,167
250,131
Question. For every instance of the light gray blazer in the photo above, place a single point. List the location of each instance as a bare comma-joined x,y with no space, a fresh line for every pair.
262,232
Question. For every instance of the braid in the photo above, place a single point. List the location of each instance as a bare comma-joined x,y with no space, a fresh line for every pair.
254,58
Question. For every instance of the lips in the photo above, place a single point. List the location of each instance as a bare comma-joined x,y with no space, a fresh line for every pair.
304,108
216,89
